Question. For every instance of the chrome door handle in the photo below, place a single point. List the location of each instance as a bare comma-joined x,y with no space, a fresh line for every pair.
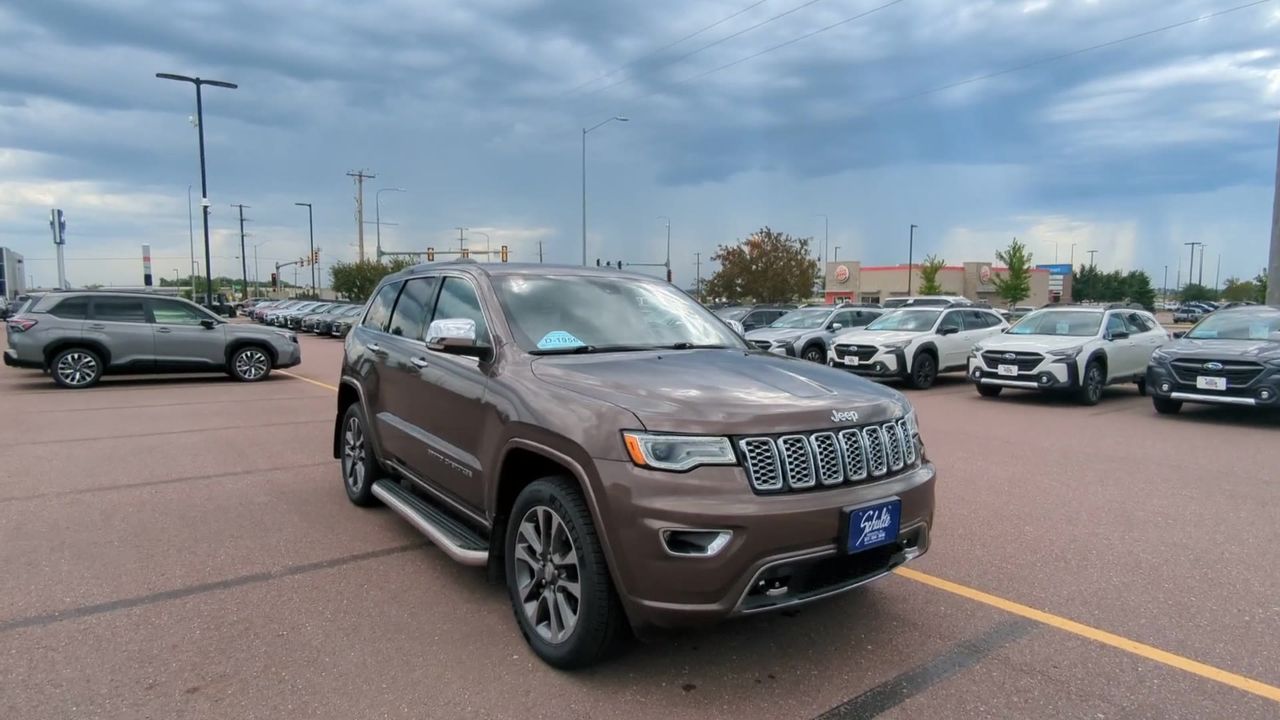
374,347
419,362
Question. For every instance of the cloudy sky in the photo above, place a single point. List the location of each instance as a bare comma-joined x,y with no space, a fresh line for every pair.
785,110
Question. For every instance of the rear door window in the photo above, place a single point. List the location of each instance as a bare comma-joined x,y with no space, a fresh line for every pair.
121,309
172,312
380,309
75,308
414,307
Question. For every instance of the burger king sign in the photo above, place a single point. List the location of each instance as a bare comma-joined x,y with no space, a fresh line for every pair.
842,274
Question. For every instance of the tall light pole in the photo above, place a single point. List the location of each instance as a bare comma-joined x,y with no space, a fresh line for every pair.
1200,279
1092,253
204,184
462,238
175,277
486,243
1273,273
619,118
191,238
1191,269
835,255
311,233
1055,250
697,273
668,261
1073,255
911,249
1164,287
377,217
826,238
244,261
256,281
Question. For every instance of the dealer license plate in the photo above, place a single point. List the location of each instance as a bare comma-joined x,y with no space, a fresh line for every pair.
850,359
1211,383
872,525
1008,370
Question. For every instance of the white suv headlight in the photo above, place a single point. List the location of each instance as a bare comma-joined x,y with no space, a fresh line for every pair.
895,345
678,452
1066,353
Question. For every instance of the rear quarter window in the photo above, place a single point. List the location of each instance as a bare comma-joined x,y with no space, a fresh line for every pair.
72,308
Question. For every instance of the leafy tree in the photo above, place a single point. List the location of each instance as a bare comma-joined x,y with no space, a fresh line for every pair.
1239,290
1192,292
1136,287
929,270
357,280
768,266
1015,285
1092,285
1261,283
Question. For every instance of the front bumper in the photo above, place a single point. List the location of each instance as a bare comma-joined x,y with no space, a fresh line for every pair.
288,354
884,364
1263,391
790,535
1051,374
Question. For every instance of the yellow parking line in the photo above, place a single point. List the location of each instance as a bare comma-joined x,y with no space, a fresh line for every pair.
1154,654
326,386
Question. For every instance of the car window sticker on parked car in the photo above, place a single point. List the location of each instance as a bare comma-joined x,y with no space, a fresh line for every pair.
558,339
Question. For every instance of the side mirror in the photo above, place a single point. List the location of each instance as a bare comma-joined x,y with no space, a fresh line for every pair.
948,330
836,327
454,336
1117,334
1179,334
208,323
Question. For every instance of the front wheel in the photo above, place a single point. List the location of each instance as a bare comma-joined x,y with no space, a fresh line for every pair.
557,577
359,466
1090,392
250,364
1166,406
815,353
923,372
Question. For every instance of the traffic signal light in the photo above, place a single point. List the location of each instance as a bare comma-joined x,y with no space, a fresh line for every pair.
668,274
465,253
503,253
275,281
315,257
431,254
302,261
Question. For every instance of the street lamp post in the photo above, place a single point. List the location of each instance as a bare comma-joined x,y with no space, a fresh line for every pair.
668,260
835,254
256,281
377,216
911,249
619,118
1073,254
175,277
311,231
486,243
1055,250
1191,269
204,185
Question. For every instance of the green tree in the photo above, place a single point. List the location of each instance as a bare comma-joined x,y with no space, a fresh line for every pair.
929,270
356,280
768,266
1015,285
1239,290
1136,288
1192,292
1261,283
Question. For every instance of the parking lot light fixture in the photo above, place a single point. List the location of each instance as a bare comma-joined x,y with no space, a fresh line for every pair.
585,130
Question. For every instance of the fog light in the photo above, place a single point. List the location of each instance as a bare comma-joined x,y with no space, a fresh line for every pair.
1165,387
1045,378
1265,395
977,373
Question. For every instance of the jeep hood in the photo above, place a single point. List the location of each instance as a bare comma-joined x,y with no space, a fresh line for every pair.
721,392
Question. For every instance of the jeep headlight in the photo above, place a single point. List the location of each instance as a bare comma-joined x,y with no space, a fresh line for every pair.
1066,353
678,452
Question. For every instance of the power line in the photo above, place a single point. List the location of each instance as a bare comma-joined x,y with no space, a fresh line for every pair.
712,44
668,46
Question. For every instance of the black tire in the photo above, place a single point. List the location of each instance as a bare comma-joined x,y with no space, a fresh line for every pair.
923,372
1091,384
989,391
1142,387
359,467
251,363
76,368
815,353
1166,406
600,623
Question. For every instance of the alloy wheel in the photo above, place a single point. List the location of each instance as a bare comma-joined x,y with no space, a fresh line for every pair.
547,574
353,455
252,364
1094,383
77,368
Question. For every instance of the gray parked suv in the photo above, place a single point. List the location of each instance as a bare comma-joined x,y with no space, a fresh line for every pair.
807,332
80,336
617,454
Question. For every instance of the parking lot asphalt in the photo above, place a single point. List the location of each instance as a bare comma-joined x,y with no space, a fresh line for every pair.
181,547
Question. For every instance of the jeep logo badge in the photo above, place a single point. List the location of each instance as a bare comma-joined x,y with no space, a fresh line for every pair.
1213,366
844,416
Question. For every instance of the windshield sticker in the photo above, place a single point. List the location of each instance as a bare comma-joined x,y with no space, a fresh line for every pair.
1259,332
558,339
1063,328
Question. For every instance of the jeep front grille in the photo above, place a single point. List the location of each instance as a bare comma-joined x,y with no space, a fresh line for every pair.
827,458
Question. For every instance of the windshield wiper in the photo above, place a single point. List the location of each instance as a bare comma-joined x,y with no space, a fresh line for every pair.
690,346
584,349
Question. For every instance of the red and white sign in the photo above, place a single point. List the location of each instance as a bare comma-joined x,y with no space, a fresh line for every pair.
984,274
842,274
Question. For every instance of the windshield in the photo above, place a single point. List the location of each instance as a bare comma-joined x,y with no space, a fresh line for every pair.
895,302
1059,322
1237,326
906,320
807,319
580,313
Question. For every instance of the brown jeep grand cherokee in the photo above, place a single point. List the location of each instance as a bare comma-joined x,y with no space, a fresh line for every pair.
619,455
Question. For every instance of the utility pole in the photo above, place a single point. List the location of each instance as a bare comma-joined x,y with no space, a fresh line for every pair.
462,240
911,249
539,251
1164,286
1091,254
1191,270
244,261
191,238
1200,281
668,260
1273,275
697,264
360,176
1217,273
311,233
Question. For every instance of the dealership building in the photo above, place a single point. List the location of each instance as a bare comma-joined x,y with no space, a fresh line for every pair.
13,275
851,281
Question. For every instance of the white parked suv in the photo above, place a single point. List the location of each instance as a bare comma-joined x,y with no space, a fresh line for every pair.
1070,348
915,343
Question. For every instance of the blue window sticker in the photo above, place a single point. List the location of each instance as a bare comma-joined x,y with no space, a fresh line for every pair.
558,339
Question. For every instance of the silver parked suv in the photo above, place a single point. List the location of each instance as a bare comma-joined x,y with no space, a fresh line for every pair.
79,336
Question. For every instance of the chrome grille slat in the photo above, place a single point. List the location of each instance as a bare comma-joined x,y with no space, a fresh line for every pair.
855,455
797,461
827,459
908,442
760,456
877,463
893,445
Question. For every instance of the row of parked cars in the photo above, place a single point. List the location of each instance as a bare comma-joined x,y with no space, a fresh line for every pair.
1231,356
313,316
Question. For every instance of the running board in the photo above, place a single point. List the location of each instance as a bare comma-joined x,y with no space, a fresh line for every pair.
458,541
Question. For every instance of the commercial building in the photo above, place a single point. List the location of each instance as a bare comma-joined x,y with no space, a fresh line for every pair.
13,274
850,280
